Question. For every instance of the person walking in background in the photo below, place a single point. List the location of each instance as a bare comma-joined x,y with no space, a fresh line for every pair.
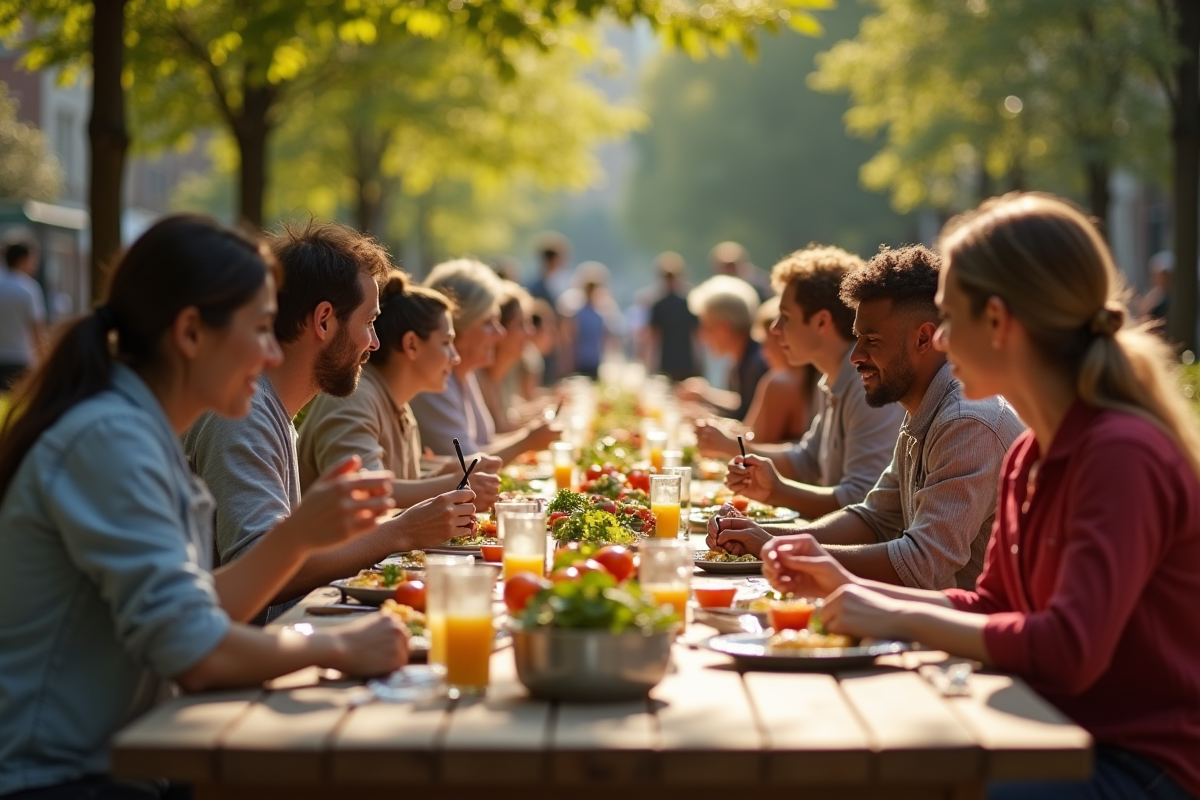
588,318
725,307
1156,302
22,313
1090,584
671,329
553,253
730,258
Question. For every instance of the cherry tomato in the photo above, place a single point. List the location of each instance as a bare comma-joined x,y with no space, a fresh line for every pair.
520,588
411,594
555,516
638,479
594,472
617,559
570,573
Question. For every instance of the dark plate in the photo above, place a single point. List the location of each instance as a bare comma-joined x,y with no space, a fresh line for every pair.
750,652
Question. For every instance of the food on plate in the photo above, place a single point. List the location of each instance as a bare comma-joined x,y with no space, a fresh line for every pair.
406,615
414,559
411,594
791,641
473,540
630,513
714,595
387,578
711,502
520,588
510,484
723,557
591,526
486,525
592,599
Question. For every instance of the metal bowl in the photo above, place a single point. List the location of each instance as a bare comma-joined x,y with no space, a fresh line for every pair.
561,664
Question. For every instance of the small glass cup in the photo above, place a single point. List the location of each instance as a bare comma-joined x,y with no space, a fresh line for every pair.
656,443
685,490
469,628
503,509
671,458
525,544
435,603
664,504
563,454
665,571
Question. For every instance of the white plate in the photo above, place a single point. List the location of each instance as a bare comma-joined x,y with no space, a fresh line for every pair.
729,567
699,519
750,651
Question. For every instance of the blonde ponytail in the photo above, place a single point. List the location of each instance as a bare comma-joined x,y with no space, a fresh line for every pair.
1053,270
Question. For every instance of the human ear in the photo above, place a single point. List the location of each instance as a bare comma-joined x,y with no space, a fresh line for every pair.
998,319
926,334
323,320
187,332
409,345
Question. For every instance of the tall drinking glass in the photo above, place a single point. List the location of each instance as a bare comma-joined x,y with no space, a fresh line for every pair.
656,443
435,603
664,504
671,458
469,629
563,454
502,510
665,571
685,490
524,543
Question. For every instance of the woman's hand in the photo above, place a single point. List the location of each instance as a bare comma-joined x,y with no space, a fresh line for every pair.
433,521
539,434
711,440
798,564
754,477
341,505
728,530
858,611
368,647
486,486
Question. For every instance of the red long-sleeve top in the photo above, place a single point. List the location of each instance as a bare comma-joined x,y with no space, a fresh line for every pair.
1092,584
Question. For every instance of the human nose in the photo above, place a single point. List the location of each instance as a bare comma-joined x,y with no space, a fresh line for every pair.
857,354
374,345
455,358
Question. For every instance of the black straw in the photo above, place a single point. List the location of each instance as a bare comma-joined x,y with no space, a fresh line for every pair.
462,462
742,447
467,475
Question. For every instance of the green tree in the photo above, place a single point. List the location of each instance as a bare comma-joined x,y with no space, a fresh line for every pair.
1017,93
744,151
28,170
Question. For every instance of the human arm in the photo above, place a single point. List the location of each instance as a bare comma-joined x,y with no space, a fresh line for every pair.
486,486
536,435
776,402
757,478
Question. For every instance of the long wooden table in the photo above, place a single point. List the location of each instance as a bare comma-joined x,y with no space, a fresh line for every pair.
705,732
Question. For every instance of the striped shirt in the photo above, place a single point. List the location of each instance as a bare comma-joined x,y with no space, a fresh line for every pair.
935,504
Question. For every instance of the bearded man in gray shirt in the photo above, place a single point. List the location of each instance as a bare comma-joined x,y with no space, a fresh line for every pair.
927,521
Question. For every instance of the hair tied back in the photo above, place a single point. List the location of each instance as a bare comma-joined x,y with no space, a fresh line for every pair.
1107,321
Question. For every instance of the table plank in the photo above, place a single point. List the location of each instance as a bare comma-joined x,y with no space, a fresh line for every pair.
918,738
708,732
179,740
390,743
813,734
283,738
603,743
1024,737
499,739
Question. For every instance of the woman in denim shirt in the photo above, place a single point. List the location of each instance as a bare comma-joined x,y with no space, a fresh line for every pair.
105,536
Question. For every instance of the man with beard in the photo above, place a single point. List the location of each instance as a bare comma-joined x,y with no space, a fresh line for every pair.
927,521
327,303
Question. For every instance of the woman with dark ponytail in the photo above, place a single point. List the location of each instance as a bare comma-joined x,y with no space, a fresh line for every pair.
106,597
1091,577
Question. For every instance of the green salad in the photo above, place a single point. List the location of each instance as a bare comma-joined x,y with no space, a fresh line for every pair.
596,602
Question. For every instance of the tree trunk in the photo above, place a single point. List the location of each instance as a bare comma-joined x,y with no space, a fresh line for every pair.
1185,140
368,178
1098,196
108,139
252,130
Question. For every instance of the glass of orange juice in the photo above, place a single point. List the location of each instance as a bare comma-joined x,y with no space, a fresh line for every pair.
664,504
656,443
524,543
435,603
468,627
685,489
563,454
665,571
503,508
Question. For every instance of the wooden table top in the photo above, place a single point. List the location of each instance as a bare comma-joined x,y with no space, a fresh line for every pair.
883,731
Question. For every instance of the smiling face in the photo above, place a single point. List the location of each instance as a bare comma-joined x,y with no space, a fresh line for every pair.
339,364
970,341
230,360
884,351
433,358
477,342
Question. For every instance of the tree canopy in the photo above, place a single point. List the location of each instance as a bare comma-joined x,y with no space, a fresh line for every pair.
28,170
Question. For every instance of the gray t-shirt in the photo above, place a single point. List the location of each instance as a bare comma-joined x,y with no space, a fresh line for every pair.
22,305
105,588
250,467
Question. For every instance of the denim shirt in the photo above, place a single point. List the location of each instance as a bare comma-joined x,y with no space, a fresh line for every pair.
105,588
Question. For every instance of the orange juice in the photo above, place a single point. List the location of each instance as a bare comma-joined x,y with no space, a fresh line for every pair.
435,626
656,459
468,650
563,474
674,596
666,520
514,564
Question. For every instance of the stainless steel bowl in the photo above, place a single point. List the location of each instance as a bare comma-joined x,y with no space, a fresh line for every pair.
590,665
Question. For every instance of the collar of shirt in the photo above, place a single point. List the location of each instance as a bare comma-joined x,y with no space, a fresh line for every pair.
846,379
1070,432
371,375
943,384
130,385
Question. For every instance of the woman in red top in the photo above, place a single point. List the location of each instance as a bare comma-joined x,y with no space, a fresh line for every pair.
1090,584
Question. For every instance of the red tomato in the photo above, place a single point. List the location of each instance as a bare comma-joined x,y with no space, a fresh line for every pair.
638,479
617,559
555,516
594,472
411,594
570,573
520,588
